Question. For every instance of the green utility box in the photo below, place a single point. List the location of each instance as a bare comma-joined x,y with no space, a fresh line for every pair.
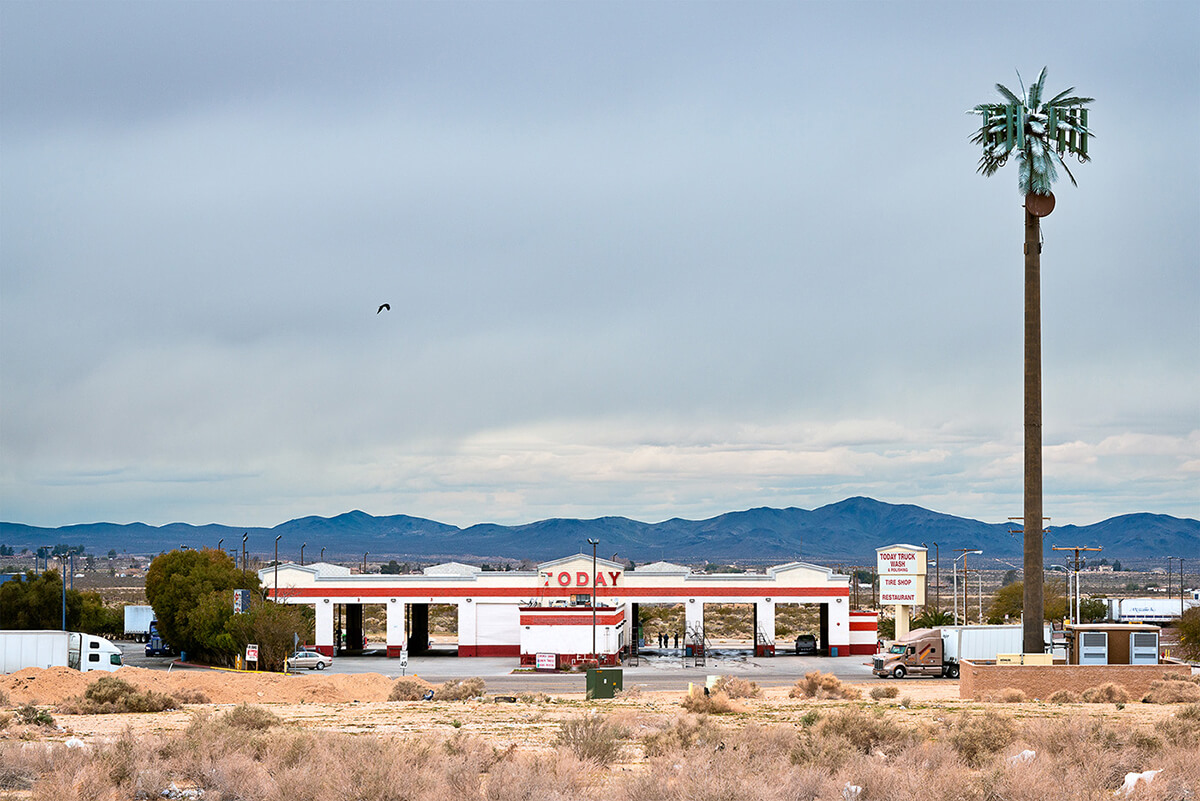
604,682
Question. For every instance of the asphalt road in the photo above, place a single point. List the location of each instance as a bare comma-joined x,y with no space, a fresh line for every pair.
665,672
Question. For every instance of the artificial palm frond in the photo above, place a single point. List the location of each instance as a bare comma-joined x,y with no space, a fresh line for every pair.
1037,133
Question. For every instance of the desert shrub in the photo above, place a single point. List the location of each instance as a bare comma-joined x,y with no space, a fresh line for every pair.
866,730
30,715
889,691
5,719
3,698
705,702
247,716
681,734
824,752
631,692
112,695
537,698
1107,693
460,689
816,684
409,688
736,687
978,737
906,702
191,696
1183,726
1063,697
1194,679
1172,692
592,738
1010,695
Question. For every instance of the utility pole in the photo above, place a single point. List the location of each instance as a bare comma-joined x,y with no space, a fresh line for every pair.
244,536
594,543
1077,549
276,596
966,587
937,579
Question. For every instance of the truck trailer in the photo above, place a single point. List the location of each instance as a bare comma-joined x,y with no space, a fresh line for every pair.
43,649
938,651
137,622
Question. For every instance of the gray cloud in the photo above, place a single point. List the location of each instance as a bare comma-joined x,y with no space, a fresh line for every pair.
648,260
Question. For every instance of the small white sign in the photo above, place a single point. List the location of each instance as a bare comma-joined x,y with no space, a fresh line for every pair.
251,653
546,662
404,659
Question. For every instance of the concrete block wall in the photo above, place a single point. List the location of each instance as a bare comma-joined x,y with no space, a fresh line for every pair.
1041,681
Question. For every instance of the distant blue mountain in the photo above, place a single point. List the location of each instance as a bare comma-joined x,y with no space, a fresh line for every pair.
848,531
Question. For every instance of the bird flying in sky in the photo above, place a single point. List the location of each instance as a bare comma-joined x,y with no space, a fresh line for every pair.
387,306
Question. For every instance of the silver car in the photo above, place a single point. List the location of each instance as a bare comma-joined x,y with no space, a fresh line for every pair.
309,659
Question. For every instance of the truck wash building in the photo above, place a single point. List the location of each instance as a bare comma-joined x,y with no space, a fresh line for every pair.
521,613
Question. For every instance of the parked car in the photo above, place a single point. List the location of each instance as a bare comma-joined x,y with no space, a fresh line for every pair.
310,659
806,644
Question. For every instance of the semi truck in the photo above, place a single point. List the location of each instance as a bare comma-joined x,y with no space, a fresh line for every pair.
155,644
938,651
43,649
137,622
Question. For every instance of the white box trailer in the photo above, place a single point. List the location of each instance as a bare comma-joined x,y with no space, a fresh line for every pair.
43,649
137,622
939,651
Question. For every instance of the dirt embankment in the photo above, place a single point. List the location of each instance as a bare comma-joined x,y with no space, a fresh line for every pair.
55,685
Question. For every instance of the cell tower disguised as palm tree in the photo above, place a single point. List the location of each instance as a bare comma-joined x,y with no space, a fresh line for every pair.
1039,133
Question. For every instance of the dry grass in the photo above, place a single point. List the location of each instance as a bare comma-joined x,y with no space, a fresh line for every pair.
888,691
109,695
1009,695
1064,697
409,688
890,753
1108,693
592,738
736,687
1172,692
816,684
705,702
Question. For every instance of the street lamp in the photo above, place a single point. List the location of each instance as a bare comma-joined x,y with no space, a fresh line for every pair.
302,554
364,570
322,554
593,543
277,567
219,545
937,579
962,556
244,536
63,562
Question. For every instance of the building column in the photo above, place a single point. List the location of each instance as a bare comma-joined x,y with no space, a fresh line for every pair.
396,641
693,617
764,618
468,640
324,626
839,626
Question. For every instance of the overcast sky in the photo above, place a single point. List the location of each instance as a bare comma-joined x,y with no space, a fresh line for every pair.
643,259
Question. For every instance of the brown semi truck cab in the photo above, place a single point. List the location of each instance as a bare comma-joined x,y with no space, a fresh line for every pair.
920,651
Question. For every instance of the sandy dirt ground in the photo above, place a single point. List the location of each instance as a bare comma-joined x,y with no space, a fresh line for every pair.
358,704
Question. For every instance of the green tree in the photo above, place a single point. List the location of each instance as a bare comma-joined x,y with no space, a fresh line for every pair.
36,602
1116,565
1092,610
273,627
391,568
931,619
1039,133
192,599
1189,633
1008,603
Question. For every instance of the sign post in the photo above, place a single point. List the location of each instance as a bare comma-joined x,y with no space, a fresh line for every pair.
901,580
252,655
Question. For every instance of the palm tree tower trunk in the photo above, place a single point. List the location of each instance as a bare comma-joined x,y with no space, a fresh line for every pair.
1034,577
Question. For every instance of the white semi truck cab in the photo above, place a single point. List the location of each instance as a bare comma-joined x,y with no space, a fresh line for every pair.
21,649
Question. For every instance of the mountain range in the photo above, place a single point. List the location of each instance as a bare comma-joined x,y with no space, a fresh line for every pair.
844,532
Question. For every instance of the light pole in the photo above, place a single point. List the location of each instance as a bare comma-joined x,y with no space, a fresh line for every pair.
322,554
593,543
962,556
302,554
219,545
277,568
244,536
63,563
937,579
364,570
